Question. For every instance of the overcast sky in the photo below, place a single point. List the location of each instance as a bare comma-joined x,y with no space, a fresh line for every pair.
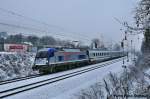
78,19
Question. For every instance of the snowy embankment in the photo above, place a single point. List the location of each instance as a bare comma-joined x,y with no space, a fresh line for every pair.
68,88
14,65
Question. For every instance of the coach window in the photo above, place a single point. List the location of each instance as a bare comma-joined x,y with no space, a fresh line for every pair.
93,54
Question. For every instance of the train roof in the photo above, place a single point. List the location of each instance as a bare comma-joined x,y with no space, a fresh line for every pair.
47,49
63,50
103,51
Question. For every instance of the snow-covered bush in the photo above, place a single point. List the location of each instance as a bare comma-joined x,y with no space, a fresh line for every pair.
143,62
131,82
16,65
94,92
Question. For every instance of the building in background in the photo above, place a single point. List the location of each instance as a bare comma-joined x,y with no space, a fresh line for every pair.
15,47
3,35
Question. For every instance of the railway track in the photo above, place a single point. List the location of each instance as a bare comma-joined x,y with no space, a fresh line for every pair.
18,79
23,88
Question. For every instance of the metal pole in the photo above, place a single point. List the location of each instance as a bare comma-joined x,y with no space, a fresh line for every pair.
131,49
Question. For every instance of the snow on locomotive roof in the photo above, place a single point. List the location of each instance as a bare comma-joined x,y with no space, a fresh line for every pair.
103,51
47,49
64,49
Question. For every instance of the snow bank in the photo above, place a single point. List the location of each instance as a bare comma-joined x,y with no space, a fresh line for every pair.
15,64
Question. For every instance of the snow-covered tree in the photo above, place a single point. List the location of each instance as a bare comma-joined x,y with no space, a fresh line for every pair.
142,17
142,14
16,65
97,44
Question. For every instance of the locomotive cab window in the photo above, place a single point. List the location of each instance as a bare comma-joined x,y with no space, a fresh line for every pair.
42,54
60,58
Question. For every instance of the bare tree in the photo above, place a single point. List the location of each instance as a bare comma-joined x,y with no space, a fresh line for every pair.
117,47
47,40
94,92
97,44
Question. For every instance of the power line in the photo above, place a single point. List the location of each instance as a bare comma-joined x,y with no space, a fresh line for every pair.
129,28
28,18
84,37
37,21
33,29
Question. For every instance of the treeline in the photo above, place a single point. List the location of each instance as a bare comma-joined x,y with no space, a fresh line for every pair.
36,41
51,41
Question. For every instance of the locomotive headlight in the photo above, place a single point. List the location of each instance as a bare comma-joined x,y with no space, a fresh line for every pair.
46,61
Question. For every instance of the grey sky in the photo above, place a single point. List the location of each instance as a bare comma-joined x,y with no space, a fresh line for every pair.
80,18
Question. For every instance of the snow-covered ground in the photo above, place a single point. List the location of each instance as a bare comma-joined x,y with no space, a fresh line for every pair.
14,64
68,88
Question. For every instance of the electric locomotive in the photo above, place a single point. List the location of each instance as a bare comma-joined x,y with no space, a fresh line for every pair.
54,60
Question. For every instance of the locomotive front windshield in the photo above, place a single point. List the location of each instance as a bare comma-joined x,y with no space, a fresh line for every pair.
42,54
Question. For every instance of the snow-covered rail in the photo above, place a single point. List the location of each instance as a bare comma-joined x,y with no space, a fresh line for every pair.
12,91
18,79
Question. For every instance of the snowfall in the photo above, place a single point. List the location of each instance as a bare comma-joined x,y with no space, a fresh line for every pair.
65,89
18,65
